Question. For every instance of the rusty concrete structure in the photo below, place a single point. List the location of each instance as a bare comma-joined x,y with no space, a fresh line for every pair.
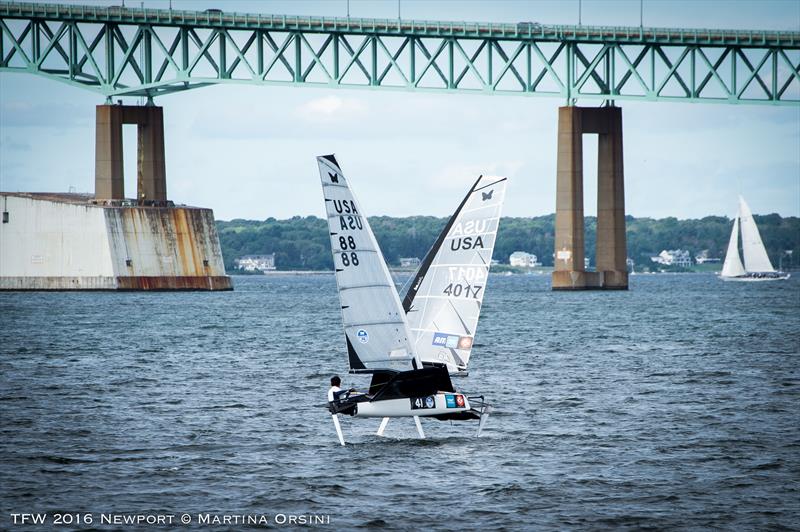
70,242
611,271
151,183
53,241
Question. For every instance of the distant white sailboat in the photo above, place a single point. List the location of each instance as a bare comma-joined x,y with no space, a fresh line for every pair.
757,266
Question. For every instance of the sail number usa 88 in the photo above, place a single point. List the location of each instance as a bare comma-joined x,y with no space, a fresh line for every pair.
348,257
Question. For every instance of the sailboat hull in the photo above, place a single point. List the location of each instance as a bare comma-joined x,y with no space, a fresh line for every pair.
757,277
428,406
425,392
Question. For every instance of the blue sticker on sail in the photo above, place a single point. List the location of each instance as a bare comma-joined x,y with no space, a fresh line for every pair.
363,336
445,340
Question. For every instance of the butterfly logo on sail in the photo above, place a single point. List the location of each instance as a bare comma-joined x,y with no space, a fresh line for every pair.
487,195
334,177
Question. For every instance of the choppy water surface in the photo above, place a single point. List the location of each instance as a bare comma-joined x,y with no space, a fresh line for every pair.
672,405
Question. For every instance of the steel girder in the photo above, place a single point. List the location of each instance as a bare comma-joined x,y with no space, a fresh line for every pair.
142,52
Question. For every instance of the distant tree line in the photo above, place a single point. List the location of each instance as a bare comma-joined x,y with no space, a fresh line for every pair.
301,243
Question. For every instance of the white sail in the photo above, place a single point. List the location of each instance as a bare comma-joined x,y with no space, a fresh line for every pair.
755,255
443,300
375,325
733,263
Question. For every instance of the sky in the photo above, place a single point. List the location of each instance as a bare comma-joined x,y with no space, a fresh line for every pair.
249,151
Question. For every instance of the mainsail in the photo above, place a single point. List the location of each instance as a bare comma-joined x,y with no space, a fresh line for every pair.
733,263
755,255
374,321
443,299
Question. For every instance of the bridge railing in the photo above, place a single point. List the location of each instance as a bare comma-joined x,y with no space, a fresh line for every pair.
213,18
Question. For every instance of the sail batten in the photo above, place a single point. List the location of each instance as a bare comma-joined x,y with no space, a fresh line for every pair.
348,325
375,325
433,296
359,287
480,207
490,184
340,214
446,265
357,250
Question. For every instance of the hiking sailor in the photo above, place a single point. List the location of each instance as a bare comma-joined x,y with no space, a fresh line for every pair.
335,393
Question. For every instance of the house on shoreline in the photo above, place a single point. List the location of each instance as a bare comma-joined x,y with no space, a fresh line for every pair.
673,257
524,260
254,263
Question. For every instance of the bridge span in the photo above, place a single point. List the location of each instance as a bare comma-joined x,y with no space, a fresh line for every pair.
120,51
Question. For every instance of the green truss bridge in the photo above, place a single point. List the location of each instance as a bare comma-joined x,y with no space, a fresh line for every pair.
118,51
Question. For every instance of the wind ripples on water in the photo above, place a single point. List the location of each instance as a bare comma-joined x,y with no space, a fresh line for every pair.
671,405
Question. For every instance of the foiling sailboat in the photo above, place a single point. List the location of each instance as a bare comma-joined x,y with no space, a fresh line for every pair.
410,347
757,266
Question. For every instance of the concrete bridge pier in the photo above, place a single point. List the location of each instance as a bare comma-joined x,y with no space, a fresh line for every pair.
611,251
151,167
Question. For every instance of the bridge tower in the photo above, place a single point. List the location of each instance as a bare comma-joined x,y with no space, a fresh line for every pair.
611,252
109,183
105,241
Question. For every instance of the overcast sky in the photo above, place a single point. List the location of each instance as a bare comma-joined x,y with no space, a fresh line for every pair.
248,152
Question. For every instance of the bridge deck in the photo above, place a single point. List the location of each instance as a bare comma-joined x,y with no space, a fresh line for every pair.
418,28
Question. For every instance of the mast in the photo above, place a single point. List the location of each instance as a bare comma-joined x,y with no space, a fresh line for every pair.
416,281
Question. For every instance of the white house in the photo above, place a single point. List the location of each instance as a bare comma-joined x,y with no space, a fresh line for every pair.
673,257
524,260
409,262
252,263
703,258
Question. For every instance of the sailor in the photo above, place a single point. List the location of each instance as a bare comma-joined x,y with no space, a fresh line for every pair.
335,393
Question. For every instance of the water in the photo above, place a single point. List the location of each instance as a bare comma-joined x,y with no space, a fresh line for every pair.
674,404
